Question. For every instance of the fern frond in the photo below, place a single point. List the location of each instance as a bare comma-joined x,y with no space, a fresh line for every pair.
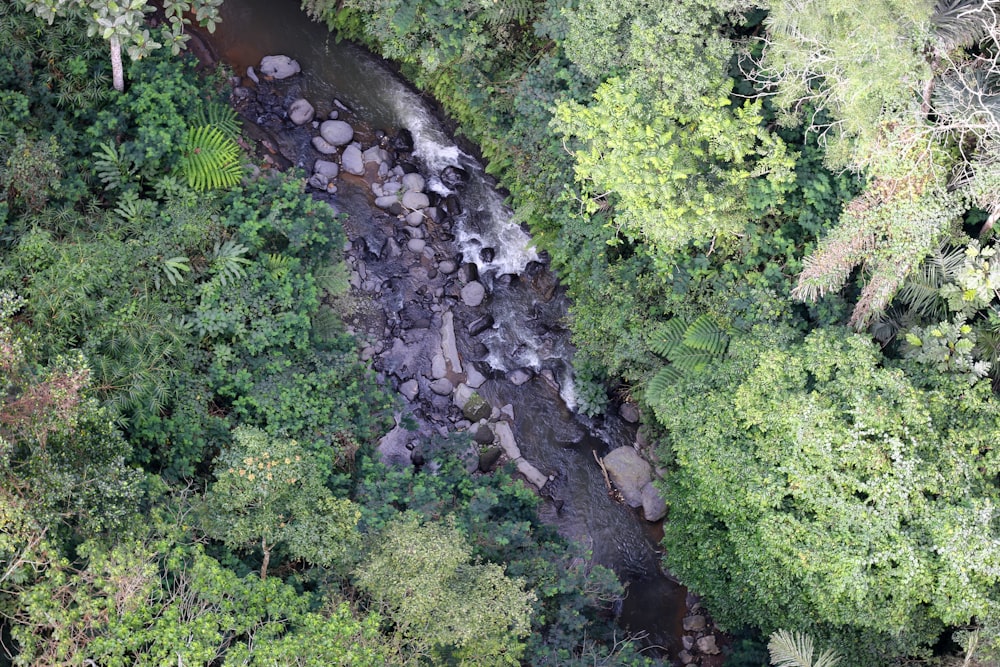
210,159
334,279
688,360
705,336
501,12
661,382
796,650
218,115
133,210
326,324
278,265
669,337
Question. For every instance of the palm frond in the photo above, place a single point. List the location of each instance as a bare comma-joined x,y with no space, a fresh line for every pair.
959,23
921,291
796,649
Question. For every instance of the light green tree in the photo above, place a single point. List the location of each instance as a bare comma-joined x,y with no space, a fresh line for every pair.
446,606
122,24
270,491
155,597
904,93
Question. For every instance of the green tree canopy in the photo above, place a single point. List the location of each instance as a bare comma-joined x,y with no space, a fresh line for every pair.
445,605
270,491
829,492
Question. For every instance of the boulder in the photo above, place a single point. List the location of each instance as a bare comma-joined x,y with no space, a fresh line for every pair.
629,472
474,378
376,154
386,201
473,294
318,181
448,343
409,389
301,112
483,435
476,408
323,146
488,460
653,506
707,645
414,182
480,324
416,245
463,393
415,200
519,376
352,161
336,132
326,168
279,67
694,623
629,412
442,386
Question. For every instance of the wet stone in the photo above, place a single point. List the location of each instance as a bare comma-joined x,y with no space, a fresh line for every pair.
694,623
707,645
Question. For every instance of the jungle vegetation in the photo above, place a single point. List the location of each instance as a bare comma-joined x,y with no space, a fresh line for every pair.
775,222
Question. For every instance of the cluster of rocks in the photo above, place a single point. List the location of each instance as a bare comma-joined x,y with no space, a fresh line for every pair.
632,475
699,643
406,257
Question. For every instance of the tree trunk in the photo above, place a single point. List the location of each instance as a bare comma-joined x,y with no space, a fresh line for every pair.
267,559
117,71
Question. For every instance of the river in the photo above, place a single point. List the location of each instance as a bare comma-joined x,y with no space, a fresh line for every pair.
551,435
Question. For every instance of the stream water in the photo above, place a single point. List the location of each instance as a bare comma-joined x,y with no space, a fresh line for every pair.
528,331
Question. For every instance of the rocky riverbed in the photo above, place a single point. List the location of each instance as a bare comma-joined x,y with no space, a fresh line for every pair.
432,318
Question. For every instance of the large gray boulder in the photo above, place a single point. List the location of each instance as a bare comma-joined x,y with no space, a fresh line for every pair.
336,132
327,168
473,294
301,112
415,200
279,67
351,160
629,472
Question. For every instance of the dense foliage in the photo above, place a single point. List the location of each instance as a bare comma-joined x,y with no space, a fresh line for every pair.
725,186
187,470
774,220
